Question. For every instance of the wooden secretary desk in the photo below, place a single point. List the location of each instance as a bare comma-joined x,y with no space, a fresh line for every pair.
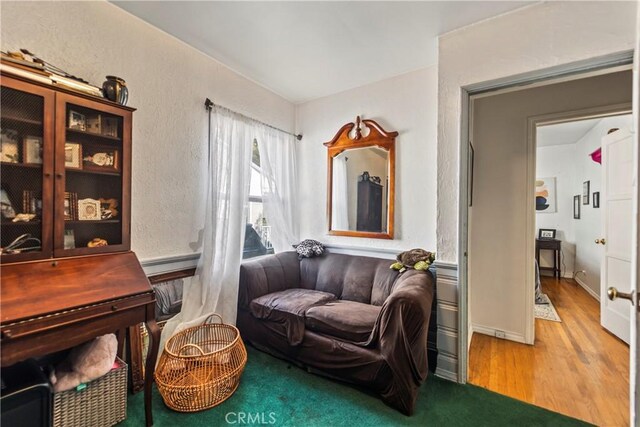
68,274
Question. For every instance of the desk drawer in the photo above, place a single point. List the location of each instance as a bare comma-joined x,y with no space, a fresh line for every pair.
548,244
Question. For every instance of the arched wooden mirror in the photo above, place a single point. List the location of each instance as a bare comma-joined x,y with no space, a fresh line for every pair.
360,181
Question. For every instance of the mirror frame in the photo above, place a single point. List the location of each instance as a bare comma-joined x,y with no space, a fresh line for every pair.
377,137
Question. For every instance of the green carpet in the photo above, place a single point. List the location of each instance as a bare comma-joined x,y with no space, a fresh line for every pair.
275,393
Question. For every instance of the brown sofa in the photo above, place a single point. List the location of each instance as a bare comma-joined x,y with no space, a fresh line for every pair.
348,317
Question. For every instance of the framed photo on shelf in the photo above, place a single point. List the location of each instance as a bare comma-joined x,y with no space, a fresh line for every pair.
110,126
101,159
576,207
9,152
596,199
32,150
585,192
70,206
546,233
69,239
72,155
77,121
89,210
6,208
94,124
30,203
9,146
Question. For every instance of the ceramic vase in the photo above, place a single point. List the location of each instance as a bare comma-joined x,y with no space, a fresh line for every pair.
115,89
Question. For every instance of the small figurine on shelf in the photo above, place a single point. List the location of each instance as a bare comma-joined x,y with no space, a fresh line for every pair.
23,217
97,242
101,159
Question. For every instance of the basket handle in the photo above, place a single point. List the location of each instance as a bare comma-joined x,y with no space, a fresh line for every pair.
191,345
212,315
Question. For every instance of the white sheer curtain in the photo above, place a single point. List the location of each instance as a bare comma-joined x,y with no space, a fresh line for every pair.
340,195
279,185
214,288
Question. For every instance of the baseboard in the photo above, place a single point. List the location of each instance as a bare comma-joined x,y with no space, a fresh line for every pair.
469,336
447,375
587,288
565,275
511,336
447,367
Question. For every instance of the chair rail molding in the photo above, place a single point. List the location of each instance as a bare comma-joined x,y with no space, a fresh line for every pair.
447,296
162,265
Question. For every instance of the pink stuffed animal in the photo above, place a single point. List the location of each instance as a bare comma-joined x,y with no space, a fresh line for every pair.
85,363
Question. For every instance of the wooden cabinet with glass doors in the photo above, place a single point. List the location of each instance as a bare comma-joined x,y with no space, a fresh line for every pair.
65,169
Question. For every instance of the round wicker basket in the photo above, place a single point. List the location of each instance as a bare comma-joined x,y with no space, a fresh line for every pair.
200,367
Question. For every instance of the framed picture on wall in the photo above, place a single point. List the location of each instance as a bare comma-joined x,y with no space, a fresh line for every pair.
545,195
596,199
585,192
576,207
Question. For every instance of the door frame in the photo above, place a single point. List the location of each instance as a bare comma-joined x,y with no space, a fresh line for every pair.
575,70
532,124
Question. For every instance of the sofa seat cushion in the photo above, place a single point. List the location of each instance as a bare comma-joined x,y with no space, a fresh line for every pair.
288,307
347,320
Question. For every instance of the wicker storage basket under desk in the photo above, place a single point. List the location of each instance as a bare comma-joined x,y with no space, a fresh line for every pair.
102,403
200,367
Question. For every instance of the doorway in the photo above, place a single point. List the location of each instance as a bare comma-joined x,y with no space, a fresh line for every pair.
501,249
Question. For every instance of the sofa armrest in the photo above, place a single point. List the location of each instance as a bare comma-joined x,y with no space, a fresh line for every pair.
264,275
401,333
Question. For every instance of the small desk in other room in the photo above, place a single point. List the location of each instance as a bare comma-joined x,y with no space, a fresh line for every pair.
551,245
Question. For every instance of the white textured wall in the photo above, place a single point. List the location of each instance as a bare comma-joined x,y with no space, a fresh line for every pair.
168,82
406,104
559,161
589,227
532,38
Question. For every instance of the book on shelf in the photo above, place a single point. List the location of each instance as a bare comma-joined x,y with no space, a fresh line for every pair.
22,62
43,76
76,85
21,72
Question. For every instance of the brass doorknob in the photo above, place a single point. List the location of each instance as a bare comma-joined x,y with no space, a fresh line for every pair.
600,241
613,294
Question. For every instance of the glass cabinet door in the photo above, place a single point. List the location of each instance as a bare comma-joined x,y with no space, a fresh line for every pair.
92,169
26,167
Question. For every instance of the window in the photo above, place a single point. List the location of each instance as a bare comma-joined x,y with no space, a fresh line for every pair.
257,240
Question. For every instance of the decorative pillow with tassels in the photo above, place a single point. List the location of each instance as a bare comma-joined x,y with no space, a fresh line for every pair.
309,248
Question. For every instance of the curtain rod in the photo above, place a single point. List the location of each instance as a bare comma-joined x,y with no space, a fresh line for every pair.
208,104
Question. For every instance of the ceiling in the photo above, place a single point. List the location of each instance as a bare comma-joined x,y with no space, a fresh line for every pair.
564,133
307,50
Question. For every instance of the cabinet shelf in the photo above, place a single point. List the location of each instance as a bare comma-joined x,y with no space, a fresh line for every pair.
20,223
92,172
99,136
21,120
93,221
22,165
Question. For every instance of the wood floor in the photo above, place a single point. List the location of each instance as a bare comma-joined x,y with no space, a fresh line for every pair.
575,367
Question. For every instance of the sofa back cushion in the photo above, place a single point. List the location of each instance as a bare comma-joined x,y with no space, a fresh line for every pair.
349,277
271,273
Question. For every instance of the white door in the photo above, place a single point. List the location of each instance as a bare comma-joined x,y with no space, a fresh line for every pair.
616,200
